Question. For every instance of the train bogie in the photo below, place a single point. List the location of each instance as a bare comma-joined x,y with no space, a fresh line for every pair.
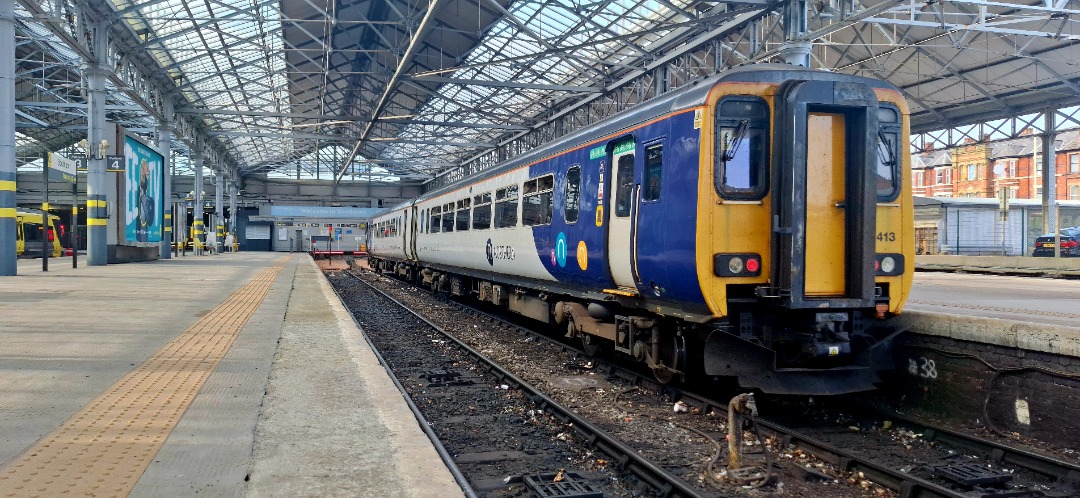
758,225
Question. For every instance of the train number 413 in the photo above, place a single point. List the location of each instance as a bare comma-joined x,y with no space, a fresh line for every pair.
886,236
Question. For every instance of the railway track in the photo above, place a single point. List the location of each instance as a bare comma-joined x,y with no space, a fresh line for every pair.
965,466
431,378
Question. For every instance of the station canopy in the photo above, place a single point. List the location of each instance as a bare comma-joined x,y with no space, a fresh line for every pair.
391,90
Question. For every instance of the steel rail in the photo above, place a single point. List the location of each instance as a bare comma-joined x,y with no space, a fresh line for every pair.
666,483
905,484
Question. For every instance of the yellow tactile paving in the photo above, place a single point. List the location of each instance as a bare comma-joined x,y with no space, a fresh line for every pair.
104,449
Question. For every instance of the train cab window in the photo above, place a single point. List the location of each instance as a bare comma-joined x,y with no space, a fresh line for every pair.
572,194
448,217
463,214
742,134
423,221
506,204
436,219
481,215
888,153
653,172
537,203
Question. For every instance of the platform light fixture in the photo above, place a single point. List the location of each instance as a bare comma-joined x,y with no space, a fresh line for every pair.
95,152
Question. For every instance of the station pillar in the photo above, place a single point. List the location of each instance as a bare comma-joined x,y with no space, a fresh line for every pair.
97,209
165,149
197,210
219,213
232,212
8,254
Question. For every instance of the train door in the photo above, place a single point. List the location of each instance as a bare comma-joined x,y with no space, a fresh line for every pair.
410,236
826,218
824,194
620,245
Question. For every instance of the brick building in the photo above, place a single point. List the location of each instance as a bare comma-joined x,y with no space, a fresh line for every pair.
981,170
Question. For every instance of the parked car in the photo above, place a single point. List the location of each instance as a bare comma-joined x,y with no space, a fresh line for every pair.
1069,239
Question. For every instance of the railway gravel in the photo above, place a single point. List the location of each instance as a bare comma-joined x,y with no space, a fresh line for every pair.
689,444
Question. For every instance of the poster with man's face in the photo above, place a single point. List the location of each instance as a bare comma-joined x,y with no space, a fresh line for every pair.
145,184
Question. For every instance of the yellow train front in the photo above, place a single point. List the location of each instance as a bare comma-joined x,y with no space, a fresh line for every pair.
805,232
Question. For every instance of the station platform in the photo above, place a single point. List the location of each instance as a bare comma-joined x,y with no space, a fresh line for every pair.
238,374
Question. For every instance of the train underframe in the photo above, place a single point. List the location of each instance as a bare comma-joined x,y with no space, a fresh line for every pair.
763,345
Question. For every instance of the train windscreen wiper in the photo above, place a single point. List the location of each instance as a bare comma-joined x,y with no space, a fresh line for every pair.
734,140
885,150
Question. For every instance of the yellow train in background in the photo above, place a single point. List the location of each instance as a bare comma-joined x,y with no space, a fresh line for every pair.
30,234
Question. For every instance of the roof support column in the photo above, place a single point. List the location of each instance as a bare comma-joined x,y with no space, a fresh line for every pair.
165,149
1049,197
232,209
197,210
219,217
8,229
97,212
794,50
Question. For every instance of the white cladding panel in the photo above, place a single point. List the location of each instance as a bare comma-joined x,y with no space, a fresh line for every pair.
513,249
388,247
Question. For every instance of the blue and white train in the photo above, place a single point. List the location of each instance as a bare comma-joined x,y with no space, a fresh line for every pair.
756,225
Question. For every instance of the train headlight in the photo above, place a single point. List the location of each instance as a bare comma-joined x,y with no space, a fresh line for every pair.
889,264
735,265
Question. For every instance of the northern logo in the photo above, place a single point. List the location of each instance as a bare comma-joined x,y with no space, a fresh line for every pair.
499,252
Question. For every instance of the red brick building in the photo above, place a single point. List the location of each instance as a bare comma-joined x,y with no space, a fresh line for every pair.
981,170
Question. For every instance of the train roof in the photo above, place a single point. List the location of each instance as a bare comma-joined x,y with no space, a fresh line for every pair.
683,98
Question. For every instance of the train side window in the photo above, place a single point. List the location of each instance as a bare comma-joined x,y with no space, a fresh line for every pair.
888,153
653,172
463,214
742,148
423,221
572,194
506,204
448,217
624,183
436,219
537,204
481,215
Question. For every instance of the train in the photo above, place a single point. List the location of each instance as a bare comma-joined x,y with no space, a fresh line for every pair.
30,235
757,225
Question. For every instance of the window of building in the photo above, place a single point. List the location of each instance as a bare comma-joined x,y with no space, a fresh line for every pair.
1074,163
653,172
972,172
1012,168
939,177
506,206
572,194
917,179
948,175
448,217
1074,192
481,214
742,134
538,200
463,214
1038,192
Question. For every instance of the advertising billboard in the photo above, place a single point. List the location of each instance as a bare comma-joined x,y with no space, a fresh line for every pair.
145,184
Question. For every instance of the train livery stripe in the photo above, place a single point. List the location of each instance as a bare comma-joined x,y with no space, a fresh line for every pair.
104,449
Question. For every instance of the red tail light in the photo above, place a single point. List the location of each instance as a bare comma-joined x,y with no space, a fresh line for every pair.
63,231
1069,243
51,236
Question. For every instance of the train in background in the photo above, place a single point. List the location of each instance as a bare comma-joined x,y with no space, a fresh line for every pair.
31,233
756,225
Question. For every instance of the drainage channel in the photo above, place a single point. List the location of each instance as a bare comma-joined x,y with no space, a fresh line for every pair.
499,435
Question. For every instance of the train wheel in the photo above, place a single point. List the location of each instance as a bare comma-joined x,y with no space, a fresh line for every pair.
672,361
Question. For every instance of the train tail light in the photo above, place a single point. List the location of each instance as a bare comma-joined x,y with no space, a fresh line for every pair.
737,265
51,236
